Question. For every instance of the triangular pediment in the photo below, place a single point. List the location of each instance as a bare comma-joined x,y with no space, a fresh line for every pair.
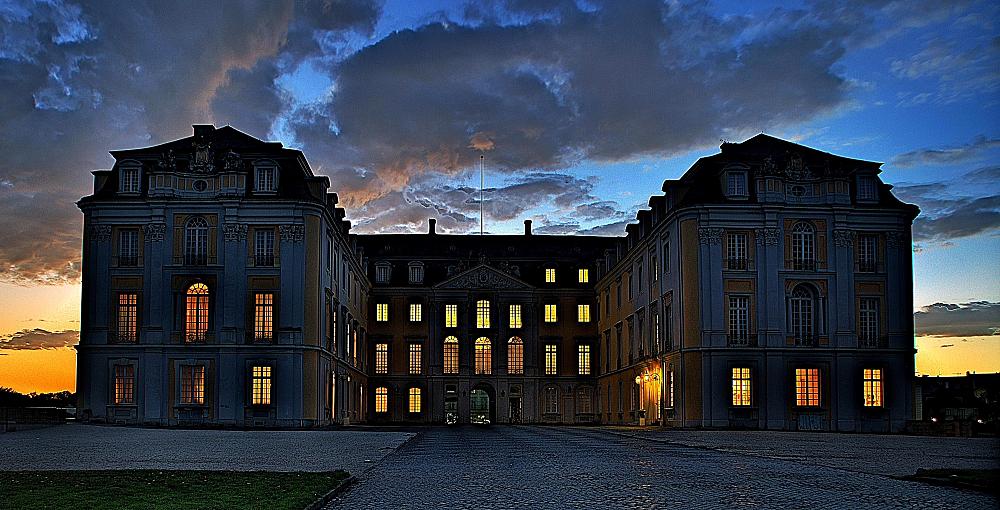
483,277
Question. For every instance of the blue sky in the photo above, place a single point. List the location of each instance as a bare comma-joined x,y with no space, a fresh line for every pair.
582,109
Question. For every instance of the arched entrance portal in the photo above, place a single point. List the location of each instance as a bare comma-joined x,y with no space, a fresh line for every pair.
482,405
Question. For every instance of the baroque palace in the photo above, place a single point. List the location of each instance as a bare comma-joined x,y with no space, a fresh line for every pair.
768,287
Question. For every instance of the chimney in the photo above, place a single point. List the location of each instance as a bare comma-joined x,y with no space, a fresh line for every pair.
431,226
527,227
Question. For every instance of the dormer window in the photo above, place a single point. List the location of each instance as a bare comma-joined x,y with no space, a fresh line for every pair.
265,178
382,272
736,184
416,272
866,187
129,181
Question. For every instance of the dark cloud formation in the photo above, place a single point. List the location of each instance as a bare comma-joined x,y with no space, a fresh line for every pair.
947,156
968,206
29,339
977,318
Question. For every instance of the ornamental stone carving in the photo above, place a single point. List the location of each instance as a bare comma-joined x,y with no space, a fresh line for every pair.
843,238
483,277
708,235
202,158
293,233
101,233
168,162
893,239
232,162
767,236
154,232
235,231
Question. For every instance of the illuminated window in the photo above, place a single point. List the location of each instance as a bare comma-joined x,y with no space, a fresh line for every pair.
196,313
551,405
741,386
583,276
670,388
515,356
415,400
583,313
873,387
515,316
551,359
867,253
583,359
451,355
807,387
484,355
736,251
263,247
381,358
128,247
416,360
584,401
451,316
482,314
739,320
124,384
265,179
196,242
331,332
261,386
416,312
128,317
381,312
803,247
550,313
550,275
263,316
868,330
193,384
656,332
802,307
129,179
381,399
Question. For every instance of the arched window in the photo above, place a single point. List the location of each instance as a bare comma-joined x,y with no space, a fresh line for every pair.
196,313
381,399
802,307
196,242
515,356
803,247
451,355
484,355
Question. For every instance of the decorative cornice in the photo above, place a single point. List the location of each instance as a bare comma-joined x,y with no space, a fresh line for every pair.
709,235
154,232
234,231
100,233
483,277
843,238
293,233
767,236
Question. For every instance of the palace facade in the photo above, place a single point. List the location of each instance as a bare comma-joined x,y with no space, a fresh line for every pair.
768,287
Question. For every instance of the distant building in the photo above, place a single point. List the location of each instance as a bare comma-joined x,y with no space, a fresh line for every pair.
769,287
973,398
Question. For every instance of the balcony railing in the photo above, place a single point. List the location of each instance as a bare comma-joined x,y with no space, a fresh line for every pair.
740,264
803,265
196,259
742,340
805,341
265,260
866,266
128,260
869,341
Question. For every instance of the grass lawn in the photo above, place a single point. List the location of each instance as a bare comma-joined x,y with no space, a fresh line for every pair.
142,489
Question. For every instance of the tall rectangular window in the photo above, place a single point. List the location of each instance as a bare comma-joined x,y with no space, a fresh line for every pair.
193,384
736,184
583,359
515,356
416,360
551,403
867,253
414,400
653,268
263,316
381,359
550,313
416,312
515,316
124,384
128,317
261,386
551,359
382,272
451,355
583,313
736,251
670,388
739,320
484,356
872,387
866,187
381,312
416,273
550,275
741,386
807,387
450,316
130,179
264,179
868,330
583,275
128,247
381,399
263,247
656,332
482,314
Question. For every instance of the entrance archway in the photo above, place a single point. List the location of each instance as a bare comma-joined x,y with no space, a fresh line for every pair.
482,405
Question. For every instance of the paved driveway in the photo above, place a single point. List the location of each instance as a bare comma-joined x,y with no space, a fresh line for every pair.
537,467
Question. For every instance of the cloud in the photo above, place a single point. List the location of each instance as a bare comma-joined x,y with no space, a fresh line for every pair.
947,156
963,207
30,339
959,73
976,318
